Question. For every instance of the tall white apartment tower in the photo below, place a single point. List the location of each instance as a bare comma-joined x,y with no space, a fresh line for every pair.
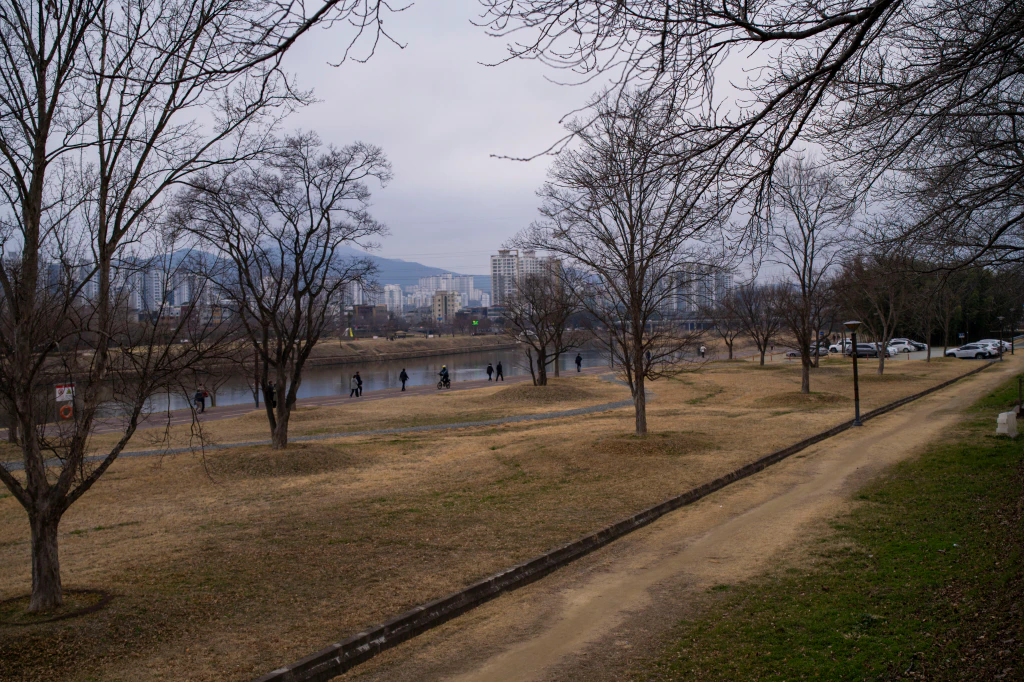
393,298
505,273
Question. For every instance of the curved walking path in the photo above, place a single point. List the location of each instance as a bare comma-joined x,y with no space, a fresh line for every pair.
178,417
516,419
594,618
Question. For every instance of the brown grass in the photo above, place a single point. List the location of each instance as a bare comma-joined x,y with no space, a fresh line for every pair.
229,565
442,408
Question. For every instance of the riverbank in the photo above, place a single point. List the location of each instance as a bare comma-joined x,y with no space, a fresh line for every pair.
350,351
227,564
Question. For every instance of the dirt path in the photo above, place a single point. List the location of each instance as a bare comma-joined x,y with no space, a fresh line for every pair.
591,620
160,420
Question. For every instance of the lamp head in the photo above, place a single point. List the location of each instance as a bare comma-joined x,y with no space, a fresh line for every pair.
852,325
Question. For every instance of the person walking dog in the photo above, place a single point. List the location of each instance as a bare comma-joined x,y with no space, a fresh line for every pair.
403,377
499,374
490,371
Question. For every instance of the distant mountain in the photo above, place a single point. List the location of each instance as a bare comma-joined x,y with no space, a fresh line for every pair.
408,273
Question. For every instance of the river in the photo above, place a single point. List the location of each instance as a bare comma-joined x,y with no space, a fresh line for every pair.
333,381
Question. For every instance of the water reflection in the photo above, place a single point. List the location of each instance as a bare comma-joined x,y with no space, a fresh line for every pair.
334,381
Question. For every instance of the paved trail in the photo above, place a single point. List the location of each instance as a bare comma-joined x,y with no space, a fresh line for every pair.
177,417
377,395
591,620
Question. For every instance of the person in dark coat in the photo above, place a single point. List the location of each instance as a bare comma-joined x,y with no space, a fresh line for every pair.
490,371
359,380
403,377
200,400
499,374
271,396
579,362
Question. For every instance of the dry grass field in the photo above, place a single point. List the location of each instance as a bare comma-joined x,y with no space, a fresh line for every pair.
227,565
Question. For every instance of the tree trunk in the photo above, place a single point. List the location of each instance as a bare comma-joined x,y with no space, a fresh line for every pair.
763,351
542,368
557,358
805,374
881,361
12,432
46,587
640,404
279,440
729,346
533,374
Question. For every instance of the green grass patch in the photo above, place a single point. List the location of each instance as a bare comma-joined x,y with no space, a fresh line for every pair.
923,580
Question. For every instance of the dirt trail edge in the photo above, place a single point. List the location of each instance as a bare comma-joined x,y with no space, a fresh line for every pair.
594,617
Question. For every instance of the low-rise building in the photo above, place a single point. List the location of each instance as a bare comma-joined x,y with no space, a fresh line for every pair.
445,305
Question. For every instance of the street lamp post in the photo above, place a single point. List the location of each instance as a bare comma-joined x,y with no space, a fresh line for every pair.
853,326
1000,318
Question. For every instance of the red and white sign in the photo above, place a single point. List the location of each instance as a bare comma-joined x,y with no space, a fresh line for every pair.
65,393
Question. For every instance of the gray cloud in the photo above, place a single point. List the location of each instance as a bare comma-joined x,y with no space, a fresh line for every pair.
439,114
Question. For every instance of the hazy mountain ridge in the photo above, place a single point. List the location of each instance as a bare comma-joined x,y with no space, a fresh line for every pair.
408,273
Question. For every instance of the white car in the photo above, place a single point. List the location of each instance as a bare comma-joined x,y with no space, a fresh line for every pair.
997,343
971,350
890,352
901,346
840,347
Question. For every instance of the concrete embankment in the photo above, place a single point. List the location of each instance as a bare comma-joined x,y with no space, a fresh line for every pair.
344,352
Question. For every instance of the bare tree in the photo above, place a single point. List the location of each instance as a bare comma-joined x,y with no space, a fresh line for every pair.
722,316
924,89
758,310
281,226
105,106
825,308
626,224
876,289
809,213
537,315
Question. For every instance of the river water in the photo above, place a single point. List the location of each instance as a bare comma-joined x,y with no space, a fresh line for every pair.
334,380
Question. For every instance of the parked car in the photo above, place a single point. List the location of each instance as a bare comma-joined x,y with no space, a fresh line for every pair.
792,353
866,350
890,352
1005,345
918,345
901,345
970,350
840,347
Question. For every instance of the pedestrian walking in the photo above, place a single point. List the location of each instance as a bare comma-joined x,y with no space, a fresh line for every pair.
403,377
271,396
490,371
200,401
498,373
648,356
703,351
359,380
579,362
353,387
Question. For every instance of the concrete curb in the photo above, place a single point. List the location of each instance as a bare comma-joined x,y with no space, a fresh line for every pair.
342,656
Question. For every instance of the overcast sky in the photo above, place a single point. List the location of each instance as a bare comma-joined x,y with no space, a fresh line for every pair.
439,115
